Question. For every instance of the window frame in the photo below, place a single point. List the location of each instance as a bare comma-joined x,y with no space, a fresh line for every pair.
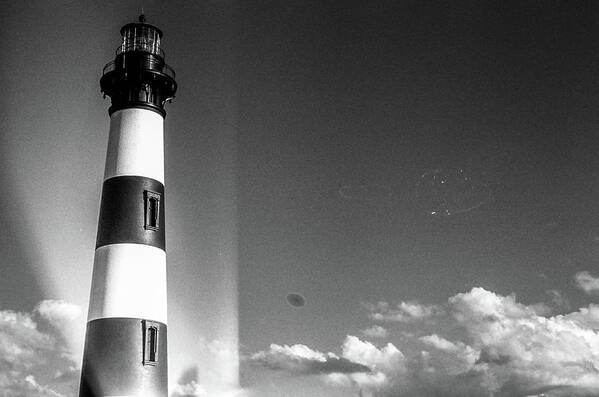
150,352
151,222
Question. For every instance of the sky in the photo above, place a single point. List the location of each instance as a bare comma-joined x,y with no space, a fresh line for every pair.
372,199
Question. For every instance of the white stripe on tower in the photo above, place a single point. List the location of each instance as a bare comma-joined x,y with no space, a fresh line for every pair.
129,280
125,350
135,144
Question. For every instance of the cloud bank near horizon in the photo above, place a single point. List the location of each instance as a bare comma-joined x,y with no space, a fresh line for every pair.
39,355
35,358
477,343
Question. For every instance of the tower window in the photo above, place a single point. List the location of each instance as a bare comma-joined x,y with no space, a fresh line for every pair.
150,335
152,209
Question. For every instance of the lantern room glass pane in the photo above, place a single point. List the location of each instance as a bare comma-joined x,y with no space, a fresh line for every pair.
141,38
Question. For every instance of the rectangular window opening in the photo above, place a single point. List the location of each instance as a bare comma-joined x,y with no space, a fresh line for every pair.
152,210
150,354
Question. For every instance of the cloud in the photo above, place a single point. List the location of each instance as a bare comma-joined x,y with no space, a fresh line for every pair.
301,359
35,360
58,313
404,312
586,282
520,350
478,343
384,363
365,382
36,387
386,358
191,389
195,389
64,320
439,343
557,300
376,331
218,364
361,363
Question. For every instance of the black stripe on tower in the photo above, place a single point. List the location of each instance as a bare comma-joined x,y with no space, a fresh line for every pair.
123,357
132,211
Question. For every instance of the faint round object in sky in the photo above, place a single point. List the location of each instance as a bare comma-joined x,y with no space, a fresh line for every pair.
296,300
445,192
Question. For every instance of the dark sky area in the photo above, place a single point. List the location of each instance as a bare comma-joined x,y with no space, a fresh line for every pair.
348,152
375,95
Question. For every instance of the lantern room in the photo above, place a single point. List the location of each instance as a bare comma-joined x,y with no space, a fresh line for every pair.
141,37
139,76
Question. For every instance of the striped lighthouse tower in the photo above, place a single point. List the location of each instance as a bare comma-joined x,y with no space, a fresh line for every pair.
125,345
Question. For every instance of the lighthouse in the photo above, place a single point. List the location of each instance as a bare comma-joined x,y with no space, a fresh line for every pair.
125,350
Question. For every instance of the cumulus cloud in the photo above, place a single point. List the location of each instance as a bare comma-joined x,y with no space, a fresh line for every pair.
367,354
361,364
476,344
586,282
35,359
376,331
